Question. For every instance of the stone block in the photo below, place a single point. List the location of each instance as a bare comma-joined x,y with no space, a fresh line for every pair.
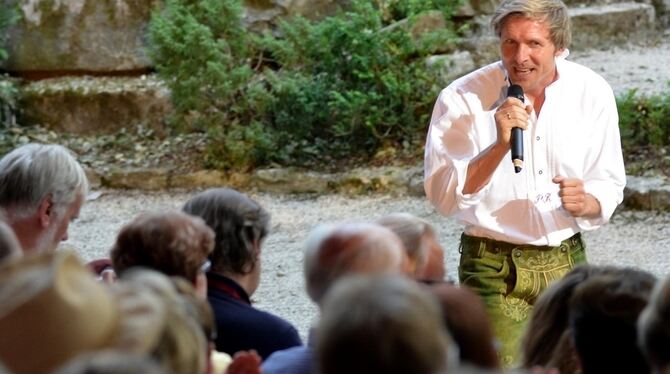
95,36
87,105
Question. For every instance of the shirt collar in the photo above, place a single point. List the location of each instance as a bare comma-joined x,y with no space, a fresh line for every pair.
228,286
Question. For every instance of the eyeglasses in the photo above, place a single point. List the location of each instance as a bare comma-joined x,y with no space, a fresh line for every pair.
206,266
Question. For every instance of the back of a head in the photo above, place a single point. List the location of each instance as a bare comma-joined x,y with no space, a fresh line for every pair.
603,313
554,12
111,362
654,327
238,222
333,251
468,323
418,238
174,243
383,324
33,171
549,318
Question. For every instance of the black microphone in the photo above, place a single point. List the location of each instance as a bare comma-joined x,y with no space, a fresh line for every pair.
517,134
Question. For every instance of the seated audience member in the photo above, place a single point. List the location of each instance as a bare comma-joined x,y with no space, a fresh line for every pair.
240,226
9,245
603,314
52,309
332,252
173,243
548,338
384,324
111,362
468,324
426,255
42,189
653,329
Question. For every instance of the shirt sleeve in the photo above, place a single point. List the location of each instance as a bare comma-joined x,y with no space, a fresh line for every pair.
451,144
605,177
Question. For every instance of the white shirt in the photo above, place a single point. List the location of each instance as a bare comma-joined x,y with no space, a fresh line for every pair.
576,136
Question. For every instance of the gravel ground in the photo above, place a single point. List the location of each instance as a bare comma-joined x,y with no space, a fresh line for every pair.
639,239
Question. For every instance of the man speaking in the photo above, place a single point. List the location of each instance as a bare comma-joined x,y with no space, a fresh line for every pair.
522,224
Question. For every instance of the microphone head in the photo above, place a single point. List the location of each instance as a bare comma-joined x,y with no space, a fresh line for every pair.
515,91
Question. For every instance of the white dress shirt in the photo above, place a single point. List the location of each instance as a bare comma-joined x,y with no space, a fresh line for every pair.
575,136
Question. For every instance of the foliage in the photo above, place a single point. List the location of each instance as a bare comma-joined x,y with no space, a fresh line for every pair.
200,49
8,17
335,89
644,120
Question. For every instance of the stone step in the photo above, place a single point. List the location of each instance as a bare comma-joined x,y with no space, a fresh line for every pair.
95,105
603,25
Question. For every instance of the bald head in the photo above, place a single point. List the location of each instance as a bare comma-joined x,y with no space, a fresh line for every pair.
333,251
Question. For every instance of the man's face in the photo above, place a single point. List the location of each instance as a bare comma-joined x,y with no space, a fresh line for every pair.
528,53
58,227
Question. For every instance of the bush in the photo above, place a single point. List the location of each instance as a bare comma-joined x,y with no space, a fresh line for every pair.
8,92
338,89
644,120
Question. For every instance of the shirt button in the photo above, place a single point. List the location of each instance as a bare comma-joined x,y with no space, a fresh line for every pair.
537,138
540,172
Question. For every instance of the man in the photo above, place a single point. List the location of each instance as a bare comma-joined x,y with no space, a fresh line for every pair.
42,189
522,230
333,252
240,225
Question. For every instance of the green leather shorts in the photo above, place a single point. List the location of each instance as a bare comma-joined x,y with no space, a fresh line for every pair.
510,277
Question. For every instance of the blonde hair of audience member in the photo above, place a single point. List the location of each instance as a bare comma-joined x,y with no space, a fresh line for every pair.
381,324
653,328
111,362
426,255
42,189
52,309
173,243
182,348
333,251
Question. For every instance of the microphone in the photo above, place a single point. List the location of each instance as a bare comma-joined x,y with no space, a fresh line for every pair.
517,134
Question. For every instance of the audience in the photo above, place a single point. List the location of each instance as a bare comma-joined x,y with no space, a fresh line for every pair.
654,329
52,309
385,324
332,252
42,189
426,256
603,314
240,226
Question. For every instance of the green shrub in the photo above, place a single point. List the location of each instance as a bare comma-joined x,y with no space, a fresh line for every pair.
336,89
8,92
644,121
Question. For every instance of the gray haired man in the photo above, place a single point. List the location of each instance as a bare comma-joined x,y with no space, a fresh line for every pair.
42,189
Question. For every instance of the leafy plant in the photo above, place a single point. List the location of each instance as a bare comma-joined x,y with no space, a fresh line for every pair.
9,15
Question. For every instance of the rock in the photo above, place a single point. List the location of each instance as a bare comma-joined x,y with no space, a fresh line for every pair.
451,66
143,179
62,36
648,193
289,181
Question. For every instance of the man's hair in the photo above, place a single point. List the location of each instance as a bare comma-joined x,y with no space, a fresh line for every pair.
333,251
31,172
237,221
381,324
654,327
414,232
603,314
173,243
554,12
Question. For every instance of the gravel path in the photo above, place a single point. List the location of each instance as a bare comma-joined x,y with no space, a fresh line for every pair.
640,239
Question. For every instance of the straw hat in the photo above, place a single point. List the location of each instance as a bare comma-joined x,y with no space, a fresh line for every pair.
52,309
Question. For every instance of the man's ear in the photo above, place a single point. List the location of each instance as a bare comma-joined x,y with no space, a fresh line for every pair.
45,211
